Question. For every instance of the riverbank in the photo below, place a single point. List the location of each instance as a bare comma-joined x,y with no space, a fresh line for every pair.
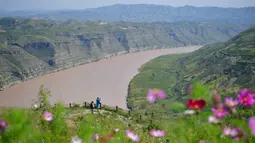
129,106
86,82
82,62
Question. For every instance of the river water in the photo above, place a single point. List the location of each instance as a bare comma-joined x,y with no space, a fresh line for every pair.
108,79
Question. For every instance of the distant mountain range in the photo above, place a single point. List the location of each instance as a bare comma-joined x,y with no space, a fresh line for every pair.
22,13
146,13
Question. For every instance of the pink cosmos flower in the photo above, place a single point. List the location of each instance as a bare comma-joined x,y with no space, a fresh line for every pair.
213,120
229,102
151,97
202,141
235,133
157,133
47,116
220,112
132,136
248,92
226,131
229,132
251,123
95,137
238,133
3,126
246,97
155,94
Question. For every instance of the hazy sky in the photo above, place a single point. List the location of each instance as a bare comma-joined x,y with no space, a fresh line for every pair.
82,4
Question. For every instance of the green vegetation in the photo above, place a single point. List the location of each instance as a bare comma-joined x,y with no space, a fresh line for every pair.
227,67
31,125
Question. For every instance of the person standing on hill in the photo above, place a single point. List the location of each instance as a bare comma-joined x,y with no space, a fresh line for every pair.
98,102
92,107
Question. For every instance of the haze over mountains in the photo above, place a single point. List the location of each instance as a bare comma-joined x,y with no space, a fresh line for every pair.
146,13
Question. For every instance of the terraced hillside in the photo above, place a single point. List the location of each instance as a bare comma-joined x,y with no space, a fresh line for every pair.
227,67
29,48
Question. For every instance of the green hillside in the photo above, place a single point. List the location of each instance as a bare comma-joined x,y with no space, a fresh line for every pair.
225,66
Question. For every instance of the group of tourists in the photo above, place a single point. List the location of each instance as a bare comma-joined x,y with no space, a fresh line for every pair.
98,104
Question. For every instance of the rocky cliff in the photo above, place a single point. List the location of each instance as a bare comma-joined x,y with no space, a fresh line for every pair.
29,48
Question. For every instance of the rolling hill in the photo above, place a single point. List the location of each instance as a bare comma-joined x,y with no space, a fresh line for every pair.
226,66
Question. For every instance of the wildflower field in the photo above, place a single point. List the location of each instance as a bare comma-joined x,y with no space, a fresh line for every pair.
229,120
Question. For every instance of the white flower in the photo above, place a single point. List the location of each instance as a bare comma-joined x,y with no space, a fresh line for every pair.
36,106
214,120
233,133
116,130
76,139
95,137
189,112
227,131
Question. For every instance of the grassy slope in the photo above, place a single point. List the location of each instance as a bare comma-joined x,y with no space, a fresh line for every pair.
28,126
227,67
69,122
83,125
218,65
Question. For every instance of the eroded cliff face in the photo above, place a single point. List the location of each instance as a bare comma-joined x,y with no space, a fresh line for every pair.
31,48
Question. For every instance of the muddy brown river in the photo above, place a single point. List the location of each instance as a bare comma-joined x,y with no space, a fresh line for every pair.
108,79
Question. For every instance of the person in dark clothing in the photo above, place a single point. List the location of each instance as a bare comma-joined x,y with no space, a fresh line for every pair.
98,102
92,107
